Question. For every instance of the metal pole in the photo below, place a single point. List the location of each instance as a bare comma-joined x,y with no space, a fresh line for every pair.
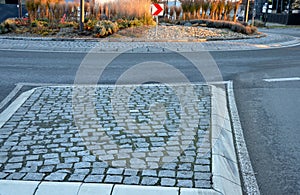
20,9
81,21
289,12
253,15
247,10
156,26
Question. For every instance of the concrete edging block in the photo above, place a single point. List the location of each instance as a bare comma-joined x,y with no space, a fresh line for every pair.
193,191
225,172
58,188
12,187
95,188
223,146
144,190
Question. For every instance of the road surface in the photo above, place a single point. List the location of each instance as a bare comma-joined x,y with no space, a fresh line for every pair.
269,110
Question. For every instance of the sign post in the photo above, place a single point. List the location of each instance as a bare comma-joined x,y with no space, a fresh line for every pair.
81,20
20,8
157,10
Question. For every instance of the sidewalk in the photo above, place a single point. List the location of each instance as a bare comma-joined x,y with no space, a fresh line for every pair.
45,139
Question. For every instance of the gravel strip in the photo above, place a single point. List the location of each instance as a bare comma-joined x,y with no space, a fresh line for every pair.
190,33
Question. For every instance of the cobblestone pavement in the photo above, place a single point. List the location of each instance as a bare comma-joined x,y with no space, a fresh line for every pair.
49,44
48,139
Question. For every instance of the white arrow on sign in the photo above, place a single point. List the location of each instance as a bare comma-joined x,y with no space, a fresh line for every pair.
157,9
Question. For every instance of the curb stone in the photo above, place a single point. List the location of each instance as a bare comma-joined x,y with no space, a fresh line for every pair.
248,177
226,179
127,39
83,46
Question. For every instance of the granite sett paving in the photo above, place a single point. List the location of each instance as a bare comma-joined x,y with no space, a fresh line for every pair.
47,139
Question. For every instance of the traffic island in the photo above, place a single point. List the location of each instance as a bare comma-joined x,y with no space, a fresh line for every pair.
51,134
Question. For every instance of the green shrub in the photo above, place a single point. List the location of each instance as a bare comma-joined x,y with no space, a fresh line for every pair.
68,25
259,23
219,24
135,22
34,23
234,26
253,30
105,28
43,23
90,24
148,20
123,23
10,24
2,29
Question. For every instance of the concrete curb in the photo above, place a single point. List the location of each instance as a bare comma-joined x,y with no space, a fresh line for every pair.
226,178
248,177
126,40
183,46
13,187
225,164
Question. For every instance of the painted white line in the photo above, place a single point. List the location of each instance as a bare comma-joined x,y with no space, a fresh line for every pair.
13,107
11,95
282,79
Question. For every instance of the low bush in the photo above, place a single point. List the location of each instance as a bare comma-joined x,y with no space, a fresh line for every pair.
73,24
102,28
136,22
123,23
234,26
2,29
105,28
10,25
90,24
259,23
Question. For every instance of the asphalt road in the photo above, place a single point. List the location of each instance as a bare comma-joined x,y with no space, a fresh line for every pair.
269,111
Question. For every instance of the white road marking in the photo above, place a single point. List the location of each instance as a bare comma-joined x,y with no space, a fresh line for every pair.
11,95
282,79
13,107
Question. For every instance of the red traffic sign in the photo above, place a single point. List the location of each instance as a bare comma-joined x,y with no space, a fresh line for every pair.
157,9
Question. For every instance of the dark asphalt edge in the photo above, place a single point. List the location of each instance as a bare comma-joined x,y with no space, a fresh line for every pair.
249,182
